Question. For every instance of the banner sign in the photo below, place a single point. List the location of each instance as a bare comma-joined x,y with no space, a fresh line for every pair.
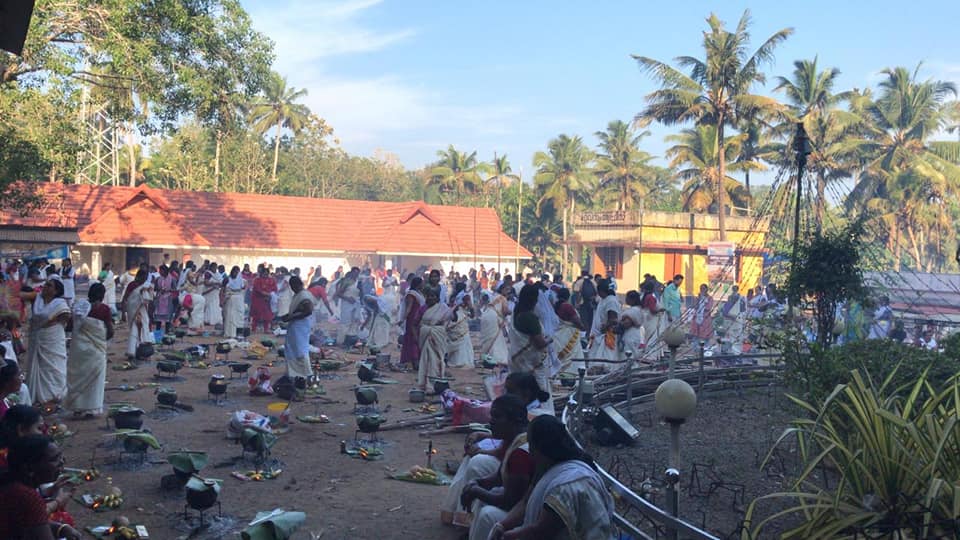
722,262
57,253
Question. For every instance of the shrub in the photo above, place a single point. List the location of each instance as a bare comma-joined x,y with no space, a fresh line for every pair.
898,457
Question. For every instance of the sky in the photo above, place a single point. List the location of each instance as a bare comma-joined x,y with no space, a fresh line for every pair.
411,77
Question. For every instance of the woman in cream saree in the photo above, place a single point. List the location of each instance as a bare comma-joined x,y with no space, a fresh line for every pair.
433,339
87,368
47,351
138,317
493,342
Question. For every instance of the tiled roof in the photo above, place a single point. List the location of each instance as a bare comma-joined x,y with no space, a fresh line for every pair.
144,216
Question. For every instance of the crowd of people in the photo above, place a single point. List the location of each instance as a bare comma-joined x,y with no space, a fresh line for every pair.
525,479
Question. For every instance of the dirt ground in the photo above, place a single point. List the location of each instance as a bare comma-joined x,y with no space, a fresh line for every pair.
343,497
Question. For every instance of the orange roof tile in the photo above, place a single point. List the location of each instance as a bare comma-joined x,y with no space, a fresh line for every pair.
146,216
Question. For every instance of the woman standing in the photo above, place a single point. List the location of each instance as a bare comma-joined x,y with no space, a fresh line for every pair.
284,292
212,281
631,321
233,306
433,339
568,500
652,318
109,281
567,337
299,321
140,293
528,345
166,290
260,312
458,330
492,340
410,313
87,369
603,341
47,351
702,325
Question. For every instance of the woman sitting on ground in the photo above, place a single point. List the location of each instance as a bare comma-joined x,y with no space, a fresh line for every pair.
491,497
11,384
33,460
568,500
483,452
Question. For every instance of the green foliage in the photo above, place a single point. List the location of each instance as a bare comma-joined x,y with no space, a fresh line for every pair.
815,372
897,452
827,268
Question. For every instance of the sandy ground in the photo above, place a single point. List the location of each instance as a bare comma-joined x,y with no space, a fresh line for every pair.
343,497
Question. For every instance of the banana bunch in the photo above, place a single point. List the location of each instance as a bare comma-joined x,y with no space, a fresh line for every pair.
109,501
423,474
258,476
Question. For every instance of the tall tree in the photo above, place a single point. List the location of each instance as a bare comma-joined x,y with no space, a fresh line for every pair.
621,166
501,173
717,89
905,173
277,109
563,175
457,172
811,100
697,161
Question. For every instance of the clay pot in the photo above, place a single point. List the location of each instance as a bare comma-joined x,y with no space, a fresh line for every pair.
217,385
167,396
128,418
439,385
417,396
366,395
370,423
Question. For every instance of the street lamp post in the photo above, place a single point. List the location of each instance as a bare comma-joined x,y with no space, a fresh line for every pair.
674,337
676,401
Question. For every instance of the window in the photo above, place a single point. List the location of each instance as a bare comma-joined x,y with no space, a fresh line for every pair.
612,259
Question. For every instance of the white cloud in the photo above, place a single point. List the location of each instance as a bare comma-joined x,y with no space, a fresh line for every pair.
386,111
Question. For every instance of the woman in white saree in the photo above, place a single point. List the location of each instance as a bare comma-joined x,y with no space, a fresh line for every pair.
567,337
87,368
493,342
631,321
138,315
569,500
460,346
299,321
528,344
46,350
433,339
233,306
378,321
603,342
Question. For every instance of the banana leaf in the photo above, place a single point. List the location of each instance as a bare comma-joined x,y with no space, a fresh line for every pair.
188,462
275,525
197,483
142,436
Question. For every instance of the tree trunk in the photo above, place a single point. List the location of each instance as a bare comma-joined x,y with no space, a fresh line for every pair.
821,189
721,198
896,244
563,262
216,162
132,156
914,246
276,153
98,148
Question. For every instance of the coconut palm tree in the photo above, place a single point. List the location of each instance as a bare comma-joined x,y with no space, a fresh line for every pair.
904,171
621,166
457,172
811,100
696,159
717,88
500,172
277,109
563,175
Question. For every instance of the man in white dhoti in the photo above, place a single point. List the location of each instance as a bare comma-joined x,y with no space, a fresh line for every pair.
299,321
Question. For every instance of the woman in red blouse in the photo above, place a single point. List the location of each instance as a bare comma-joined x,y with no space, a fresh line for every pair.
260,312
33,460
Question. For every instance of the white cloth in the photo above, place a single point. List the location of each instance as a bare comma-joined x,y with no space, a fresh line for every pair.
212,314
549,322
525,357
296,346
577,495
599,347
284,295
633,339
87,368
460,347
433,343
492,340
69,284
138,317
110,286
880,326
471,468
569,349
47,352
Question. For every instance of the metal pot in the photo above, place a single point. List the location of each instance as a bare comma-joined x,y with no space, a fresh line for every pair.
144,351
128,419
168,366
417,395
167,396
366,373
370,423
366,395
168,340
217,385
223,348
201,499
240,367
439,385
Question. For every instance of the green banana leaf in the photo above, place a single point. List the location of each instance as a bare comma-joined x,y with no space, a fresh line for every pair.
197,483
188,462
275,525
140,436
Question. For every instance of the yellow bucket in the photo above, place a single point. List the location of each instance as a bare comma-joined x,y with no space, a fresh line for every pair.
277,407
